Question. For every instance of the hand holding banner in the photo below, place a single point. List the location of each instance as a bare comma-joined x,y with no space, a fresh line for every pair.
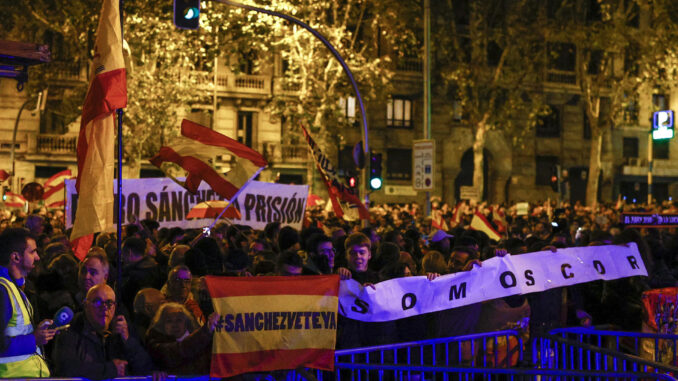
498,277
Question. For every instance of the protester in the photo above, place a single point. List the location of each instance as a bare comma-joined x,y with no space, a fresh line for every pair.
94,270
146,304
178,290
98,344
320,255
20,355
139,271
177,343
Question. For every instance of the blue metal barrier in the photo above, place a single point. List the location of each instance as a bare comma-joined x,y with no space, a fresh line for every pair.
427,358
575,350
573,353
660,348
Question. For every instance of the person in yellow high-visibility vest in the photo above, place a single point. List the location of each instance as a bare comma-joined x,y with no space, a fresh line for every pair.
20,353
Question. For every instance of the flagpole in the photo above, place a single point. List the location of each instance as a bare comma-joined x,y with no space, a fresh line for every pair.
119,187
235,196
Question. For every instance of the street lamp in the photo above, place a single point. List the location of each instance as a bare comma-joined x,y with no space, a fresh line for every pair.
366,147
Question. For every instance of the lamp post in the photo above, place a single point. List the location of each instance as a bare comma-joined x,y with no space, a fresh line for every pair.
40,106
366,147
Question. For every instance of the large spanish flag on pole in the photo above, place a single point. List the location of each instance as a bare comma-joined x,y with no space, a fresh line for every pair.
96,161
270,323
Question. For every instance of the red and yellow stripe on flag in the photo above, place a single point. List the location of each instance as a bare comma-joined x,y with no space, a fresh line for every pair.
270,323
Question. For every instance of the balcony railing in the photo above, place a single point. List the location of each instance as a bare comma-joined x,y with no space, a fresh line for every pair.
57,144
67,71
294,153
565,77
229,82
414,65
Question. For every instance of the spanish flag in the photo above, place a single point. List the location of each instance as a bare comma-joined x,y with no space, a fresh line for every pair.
194,150
271,323
479,222
107,92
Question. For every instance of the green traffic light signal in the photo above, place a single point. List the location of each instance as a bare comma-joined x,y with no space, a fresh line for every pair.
375,171
187,14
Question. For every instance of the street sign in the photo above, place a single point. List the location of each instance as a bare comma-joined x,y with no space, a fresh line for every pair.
662,125
469,193
423,160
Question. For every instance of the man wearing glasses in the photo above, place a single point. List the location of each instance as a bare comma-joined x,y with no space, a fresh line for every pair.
98,344
178,290
20,355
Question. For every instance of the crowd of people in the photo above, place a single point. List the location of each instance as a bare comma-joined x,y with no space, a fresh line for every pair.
150,310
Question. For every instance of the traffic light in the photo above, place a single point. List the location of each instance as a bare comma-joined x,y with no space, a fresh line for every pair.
376,180
352,182
187,14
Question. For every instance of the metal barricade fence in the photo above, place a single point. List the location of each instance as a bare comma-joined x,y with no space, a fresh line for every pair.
574,353
575,350
658,347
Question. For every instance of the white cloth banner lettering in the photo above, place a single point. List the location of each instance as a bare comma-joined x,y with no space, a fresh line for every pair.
165,201
496,278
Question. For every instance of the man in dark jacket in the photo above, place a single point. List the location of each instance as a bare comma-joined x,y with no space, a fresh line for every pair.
139,271
98,345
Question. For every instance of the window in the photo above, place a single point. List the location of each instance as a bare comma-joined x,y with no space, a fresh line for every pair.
587,127
399,164
593,11
248,62
632,10
346,165
545,168
494,52
660,149
630,148
595,61
548,126
201,115
562,56
660,101
462,12
399,113
457,111
47,172
244,132
630,112
347,107
559,10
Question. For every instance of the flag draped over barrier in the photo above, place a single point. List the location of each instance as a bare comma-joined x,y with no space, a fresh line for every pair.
496,278
337,190
107,92
270,323
196,148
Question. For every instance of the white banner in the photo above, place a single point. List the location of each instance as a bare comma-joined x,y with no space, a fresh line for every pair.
498,277
165,201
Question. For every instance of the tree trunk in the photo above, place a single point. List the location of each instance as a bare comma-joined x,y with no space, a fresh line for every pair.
594,165
478,145
133,168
